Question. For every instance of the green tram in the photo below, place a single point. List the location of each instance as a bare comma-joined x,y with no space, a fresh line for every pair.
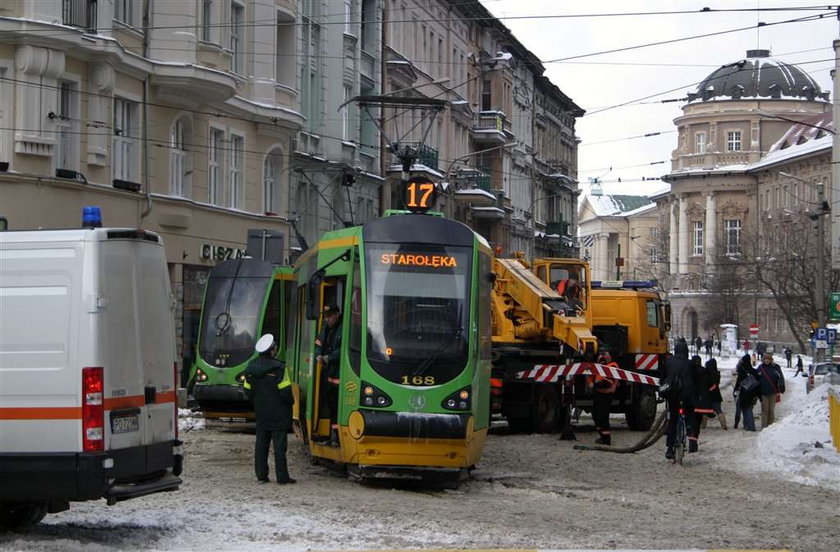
243,299
414,291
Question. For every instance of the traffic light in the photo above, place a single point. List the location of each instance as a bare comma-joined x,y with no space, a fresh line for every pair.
347,179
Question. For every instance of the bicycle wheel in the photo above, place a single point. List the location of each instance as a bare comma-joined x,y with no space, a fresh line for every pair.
680,441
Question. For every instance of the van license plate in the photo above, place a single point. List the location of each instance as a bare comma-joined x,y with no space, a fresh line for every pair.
125,424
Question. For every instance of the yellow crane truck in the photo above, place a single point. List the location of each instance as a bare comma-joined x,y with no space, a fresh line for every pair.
549,321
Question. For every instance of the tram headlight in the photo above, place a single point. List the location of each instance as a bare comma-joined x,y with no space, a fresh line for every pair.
240,378
200,376
460,400
374,397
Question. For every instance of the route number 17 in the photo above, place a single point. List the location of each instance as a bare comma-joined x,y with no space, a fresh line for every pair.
420,195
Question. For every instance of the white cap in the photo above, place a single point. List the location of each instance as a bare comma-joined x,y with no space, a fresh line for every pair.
264,343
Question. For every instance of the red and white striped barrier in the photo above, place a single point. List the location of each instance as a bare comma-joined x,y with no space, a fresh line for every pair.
550,373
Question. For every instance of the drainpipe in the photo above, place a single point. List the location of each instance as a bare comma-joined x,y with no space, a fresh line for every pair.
385,193
145,132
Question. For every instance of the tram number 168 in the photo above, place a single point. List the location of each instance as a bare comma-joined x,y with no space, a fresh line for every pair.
418,380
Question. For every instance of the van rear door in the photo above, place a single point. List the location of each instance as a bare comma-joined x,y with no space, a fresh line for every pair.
137,328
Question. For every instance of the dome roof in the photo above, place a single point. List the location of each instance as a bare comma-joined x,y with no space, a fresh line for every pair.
758,76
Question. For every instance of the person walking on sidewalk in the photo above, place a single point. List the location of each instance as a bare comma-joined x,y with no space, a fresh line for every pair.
772,384
799,366
746,391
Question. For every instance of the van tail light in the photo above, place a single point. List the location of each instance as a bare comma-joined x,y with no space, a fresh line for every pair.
93,410
175,387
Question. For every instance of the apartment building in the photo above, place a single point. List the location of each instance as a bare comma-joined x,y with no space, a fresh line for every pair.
177,117
504,147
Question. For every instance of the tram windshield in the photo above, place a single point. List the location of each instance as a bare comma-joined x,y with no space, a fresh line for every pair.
230,319
418,311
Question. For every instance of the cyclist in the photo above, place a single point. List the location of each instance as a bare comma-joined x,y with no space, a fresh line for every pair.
679,377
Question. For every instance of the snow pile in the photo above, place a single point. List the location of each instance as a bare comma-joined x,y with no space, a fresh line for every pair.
797,446
189,420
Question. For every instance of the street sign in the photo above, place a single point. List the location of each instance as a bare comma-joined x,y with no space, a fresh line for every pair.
834,307
753,330
829,335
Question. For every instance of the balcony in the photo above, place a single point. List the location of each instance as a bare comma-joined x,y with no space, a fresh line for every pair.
491,128
474,186
425,155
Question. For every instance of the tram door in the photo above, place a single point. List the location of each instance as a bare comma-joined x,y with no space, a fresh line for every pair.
332,293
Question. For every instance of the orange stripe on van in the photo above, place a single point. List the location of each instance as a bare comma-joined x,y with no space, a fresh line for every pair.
61,413
75,412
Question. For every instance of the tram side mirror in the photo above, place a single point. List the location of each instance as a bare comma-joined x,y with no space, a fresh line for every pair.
313,295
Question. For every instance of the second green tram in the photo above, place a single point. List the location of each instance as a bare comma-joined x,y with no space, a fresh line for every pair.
243,299
414,391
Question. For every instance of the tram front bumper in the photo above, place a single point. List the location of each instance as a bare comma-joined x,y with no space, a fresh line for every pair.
410,440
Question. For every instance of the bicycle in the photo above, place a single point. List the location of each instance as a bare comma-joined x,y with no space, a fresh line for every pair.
680,437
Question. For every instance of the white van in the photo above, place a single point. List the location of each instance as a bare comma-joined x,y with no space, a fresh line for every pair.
87,370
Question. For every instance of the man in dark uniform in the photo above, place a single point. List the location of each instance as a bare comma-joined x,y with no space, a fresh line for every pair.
328,353
268,385
602,395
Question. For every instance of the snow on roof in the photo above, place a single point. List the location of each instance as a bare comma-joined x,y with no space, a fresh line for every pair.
617,205
813,135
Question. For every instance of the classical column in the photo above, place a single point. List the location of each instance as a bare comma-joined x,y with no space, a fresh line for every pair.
673,242
711,230
604,255
684,235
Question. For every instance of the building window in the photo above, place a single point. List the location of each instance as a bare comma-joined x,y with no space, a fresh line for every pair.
124,11
346,131
237,166
698,238
733,140
180,163
126,129
486,97
285,50
348,16
216,165
66,122
206,19
700,142
653,252
236,18
79,13
732,230
272,171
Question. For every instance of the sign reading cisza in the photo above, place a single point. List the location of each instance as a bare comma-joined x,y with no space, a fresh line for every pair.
210,252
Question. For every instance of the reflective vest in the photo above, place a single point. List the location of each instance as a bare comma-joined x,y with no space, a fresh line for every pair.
608,385
285,382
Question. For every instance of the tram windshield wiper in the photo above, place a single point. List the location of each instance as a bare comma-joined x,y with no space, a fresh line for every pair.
421,369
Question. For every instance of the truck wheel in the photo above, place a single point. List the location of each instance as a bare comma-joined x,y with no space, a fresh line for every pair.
546,409
15,516
642,413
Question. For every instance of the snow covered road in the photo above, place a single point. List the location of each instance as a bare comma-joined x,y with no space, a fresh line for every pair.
771,489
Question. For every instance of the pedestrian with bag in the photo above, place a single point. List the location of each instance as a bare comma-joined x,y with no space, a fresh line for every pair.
711,386
772,383
746,391
268,385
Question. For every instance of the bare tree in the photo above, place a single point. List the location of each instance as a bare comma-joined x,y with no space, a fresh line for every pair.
785,264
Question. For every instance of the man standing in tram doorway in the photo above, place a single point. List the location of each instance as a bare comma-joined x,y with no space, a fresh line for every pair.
267,384
328,351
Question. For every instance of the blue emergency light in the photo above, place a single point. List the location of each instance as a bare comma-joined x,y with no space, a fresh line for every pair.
91,216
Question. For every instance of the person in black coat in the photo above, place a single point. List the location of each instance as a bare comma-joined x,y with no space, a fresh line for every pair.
677,375
268,385
328,353
745,397
772,384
